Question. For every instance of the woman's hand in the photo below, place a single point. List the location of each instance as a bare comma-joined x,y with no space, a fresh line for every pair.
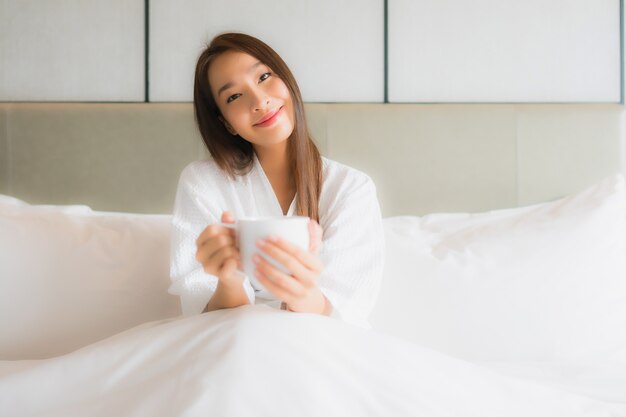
298,288
315,237
217,252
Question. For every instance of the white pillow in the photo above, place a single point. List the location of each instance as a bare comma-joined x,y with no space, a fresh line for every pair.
70,276
544,282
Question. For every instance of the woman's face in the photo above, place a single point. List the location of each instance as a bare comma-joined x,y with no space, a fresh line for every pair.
255,103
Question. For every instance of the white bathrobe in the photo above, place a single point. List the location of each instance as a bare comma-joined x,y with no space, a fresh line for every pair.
352,245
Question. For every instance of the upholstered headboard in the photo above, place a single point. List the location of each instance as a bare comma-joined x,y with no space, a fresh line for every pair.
423,158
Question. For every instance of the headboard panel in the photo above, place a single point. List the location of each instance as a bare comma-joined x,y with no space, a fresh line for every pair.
423,158
438,158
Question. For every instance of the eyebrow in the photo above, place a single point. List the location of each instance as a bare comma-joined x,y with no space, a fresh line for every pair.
230,83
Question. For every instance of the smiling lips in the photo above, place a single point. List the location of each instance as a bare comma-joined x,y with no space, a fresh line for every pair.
269,118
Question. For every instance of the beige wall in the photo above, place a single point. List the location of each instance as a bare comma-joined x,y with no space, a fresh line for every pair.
423,158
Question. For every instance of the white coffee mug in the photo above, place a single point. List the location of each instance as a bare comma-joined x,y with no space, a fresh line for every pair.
293,229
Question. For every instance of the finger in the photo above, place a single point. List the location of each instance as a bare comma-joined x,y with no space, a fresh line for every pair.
227,217
280,288
319,232
213,262
211,231
208,232
220,256
315,236
291,256
214,244
290,263
312,242
303,277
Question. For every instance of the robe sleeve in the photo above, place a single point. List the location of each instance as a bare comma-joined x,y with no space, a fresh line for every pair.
196,206
353,252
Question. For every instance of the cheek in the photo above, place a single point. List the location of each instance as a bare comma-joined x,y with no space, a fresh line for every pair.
279,89
283,89
292,115
233,116
284,94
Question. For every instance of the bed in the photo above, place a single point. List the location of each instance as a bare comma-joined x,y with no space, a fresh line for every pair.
504,282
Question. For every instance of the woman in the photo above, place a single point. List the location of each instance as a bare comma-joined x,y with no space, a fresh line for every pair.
250,114
256,360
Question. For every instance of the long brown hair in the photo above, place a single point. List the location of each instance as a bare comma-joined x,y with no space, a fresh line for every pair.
234,154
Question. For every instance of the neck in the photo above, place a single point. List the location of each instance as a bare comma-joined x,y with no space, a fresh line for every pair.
274,160
275,163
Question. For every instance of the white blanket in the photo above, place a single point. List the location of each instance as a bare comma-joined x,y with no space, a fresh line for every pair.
259,361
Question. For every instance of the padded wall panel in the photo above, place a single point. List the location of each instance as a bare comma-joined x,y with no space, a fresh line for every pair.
5,169
429,158
335,49
72,50
423,158
111,157
506,51
564,149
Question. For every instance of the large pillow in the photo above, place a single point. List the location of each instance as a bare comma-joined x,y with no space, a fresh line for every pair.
545,282
70,276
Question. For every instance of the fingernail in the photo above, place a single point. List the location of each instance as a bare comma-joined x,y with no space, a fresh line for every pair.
261,243
256,259
272,238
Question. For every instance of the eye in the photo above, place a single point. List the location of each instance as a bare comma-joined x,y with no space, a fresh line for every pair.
265,76
232,98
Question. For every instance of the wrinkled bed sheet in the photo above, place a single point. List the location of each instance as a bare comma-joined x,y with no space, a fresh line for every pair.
259,361
605,381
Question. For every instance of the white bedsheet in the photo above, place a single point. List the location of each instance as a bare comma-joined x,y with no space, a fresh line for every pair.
259,361
605,381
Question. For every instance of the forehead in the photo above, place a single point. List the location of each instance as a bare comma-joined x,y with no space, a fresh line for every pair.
228,67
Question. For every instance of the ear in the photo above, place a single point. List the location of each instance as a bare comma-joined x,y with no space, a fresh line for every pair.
228,126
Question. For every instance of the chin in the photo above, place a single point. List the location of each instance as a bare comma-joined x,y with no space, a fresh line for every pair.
280,137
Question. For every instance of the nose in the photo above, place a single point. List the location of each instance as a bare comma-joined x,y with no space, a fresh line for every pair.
260,100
